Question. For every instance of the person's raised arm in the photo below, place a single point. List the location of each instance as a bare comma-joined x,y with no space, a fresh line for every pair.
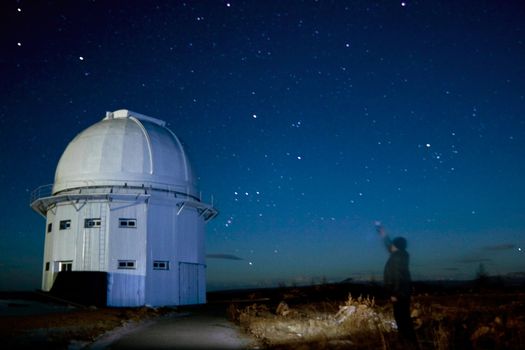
382,233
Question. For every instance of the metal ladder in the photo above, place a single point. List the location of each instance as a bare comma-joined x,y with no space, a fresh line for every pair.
104,226
86,250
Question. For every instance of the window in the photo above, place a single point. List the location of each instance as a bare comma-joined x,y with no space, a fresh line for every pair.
126,264
127,223
161,265
47,266
49,227
65,224
65,266
93,222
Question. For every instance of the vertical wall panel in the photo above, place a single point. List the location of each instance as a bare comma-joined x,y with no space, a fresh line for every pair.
126,287
125,290
202,284
189,283
64,241
162,286
47,276
190,233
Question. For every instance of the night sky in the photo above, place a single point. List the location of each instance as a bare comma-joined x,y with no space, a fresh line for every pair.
306,120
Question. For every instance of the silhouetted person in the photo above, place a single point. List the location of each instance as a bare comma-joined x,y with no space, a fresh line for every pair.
398,285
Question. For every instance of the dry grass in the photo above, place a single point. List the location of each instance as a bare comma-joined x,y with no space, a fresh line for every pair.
59,330
357,323
477,321
473,321
489,320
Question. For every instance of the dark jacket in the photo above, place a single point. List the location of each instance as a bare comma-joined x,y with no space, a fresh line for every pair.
397,276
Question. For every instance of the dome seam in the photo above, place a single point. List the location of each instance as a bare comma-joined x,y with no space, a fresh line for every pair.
148,142
186,175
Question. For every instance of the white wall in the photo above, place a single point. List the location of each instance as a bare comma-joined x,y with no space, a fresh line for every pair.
190,232
162,286
47,276
178,239
160,235
190,249
126,287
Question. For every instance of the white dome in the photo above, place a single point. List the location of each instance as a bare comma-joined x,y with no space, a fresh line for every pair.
125,148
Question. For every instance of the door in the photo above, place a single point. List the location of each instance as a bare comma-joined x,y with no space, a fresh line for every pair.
191,284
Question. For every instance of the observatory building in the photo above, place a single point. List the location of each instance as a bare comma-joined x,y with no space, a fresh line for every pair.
124,219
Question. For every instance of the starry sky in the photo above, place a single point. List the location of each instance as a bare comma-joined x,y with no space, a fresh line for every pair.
306,121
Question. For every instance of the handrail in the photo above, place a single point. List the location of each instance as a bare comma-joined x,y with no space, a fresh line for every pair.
40,192
47,191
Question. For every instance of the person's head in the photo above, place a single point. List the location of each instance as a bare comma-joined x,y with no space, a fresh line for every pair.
399,243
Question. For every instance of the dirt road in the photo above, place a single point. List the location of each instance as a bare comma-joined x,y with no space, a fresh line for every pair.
194,328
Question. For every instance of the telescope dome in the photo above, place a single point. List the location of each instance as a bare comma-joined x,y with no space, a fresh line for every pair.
125,149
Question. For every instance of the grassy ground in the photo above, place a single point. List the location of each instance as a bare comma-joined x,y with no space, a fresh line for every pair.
73,328
489,319
318,317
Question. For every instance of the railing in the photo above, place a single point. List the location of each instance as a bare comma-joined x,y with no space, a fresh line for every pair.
47,191
42,197
40,192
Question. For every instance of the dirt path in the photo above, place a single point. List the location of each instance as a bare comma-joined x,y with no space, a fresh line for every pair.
200,328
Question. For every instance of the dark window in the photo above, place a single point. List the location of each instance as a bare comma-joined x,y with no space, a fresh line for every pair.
92,222
129,223
65,224
161,265
47,266
65,266
49,227
126,264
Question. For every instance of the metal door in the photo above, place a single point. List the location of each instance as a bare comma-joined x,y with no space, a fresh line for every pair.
189,283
